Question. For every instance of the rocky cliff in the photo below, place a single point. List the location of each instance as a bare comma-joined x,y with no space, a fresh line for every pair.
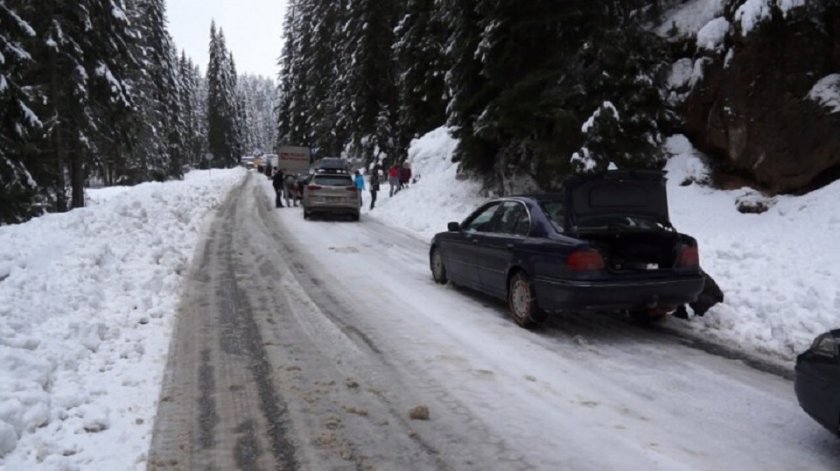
758,89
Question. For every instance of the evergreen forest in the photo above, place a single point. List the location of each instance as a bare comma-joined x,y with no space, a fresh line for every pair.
94,92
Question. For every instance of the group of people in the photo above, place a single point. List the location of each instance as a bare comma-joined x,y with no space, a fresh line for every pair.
398,177
286,186
289,187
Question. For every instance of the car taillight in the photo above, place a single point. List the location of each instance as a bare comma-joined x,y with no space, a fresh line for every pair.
585,260
689,257
314,187
350,188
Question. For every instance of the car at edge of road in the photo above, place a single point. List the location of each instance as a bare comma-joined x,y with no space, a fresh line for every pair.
817,382
602,243
331,193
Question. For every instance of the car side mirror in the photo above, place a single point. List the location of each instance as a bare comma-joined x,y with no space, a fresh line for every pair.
454,227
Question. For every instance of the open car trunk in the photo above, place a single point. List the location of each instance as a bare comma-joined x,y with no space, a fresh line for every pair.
638,251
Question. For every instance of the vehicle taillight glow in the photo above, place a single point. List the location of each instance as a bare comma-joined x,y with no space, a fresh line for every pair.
350,188
314,187
585,260
689,257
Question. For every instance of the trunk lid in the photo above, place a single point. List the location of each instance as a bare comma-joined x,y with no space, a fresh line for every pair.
596,200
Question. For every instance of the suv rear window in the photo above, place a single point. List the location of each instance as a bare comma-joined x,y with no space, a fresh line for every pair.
332,180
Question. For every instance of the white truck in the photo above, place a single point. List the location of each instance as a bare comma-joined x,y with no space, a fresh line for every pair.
294,160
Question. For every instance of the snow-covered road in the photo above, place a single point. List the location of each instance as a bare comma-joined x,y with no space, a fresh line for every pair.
580,393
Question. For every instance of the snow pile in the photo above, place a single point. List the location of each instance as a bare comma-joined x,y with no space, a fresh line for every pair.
688,18
779,270
86,309
754,12
437,197
826,93
711,36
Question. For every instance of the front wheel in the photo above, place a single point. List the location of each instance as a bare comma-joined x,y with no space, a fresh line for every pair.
438,269
522,301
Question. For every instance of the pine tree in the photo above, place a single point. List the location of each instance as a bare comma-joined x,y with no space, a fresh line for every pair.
464,83
518,107
81,56
369,109
293,125
157,141
259,96
18,190
222,131
193,105
422,64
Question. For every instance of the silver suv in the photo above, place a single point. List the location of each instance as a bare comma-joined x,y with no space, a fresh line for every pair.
331,194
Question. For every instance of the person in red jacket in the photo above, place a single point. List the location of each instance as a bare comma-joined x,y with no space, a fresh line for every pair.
393,179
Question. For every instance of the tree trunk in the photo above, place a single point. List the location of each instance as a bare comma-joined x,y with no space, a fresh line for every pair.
59,150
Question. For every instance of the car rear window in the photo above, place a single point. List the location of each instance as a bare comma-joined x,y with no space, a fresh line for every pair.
332,180
555,212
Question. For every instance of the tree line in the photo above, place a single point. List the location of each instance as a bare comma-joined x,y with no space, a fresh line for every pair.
94,91
538,89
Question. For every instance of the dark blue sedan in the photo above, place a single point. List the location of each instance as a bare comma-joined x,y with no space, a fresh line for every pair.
603,242
818,380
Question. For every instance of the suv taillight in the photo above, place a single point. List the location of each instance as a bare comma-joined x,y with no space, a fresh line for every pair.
350,188
689,257
585,260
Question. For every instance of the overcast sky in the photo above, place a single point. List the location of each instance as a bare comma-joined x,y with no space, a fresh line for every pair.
253,31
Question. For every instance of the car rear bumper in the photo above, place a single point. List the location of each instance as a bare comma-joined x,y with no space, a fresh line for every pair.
332,208
577,295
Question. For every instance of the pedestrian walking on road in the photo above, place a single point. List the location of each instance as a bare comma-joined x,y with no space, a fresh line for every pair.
277,183
359,181
374,188
289,189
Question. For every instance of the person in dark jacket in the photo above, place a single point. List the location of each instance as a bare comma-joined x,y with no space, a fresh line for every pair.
405,175
277,183
711,295
374,187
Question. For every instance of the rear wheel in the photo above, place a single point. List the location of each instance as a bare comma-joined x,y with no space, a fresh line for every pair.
438,269
522,301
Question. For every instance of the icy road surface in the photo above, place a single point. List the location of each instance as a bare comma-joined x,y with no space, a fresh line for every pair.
306,344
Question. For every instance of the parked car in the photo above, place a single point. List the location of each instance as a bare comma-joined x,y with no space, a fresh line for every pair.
331,193
817,381
603,242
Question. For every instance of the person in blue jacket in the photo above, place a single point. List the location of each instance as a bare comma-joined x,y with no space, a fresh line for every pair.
359,180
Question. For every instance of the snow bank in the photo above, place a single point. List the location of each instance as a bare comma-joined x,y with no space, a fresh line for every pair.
437,197
754,12
711,35
826,93
688,18
779,270
86,309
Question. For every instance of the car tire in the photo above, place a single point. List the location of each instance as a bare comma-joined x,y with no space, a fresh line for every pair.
355,217
306,214
437,266
522,301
